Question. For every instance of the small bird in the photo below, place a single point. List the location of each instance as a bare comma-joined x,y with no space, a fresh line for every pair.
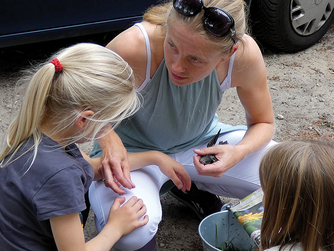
211,158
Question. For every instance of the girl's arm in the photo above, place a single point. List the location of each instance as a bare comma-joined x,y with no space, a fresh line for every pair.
69,235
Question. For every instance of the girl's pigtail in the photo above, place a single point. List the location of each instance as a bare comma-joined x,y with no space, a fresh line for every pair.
27,121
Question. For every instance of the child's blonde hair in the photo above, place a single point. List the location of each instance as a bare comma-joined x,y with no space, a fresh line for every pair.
93,78
297,178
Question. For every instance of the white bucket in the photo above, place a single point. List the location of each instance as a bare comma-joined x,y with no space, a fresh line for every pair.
229,230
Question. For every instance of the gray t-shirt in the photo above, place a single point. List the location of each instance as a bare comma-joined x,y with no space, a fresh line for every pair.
54,185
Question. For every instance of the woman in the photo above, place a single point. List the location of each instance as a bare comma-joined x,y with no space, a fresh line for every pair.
297,179
185,54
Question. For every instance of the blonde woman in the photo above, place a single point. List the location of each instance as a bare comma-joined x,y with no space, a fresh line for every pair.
70,99
185,54
297,179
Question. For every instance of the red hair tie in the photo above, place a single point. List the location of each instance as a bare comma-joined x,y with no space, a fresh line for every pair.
57,64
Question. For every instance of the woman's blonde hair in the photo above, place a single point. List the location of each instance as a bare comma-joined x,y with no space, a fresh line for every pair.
165,14
93,78
297,178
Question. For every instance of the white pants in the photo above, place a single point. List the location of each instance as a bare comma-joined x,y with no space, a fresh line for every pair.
237,182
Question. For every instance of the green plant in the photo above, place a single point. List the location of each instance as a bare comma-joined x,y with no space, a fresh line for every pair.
227,246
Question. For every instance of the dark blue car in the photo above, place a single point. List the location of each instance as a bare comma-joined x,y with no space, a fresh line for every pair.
285,25
31,21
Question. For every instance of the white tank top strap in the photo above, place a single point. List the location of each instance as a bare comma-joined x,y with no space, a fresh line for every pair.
226,84
148,51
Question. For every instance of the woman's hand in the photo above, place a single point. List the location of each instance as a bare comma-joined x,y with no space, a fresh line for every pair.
168,166
227,155
173,170
115,167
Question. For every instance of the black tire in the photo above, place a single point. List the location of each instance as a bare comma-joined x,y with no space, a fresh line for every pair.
272,26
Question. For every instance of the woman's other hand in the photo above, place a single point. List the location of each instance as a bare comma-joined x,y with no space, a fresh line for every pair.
174,170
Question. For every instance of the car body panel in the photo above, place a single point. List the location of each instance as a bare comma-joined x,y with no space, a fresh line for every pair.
24,21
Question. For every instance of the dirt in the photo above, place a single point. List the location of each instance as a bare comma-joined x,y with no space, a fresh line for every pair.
302,90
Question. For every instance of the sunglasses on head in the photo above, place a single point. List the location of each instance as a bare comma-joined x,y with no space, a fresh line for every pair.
215,20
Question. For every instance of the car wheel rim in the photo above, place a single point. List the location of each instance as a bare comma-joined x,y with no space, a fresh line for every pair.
309,16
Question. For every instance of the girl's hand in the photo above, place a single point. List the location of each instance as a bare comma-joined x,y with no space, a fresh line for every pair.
127,218
68,234
174,170
227,155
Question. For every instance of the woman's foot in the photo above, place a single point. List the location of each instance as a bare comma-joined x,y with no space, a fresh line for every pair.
201,202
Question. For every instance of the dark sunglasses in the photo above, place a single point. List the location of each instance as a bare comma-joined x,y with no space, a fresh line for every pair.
215,20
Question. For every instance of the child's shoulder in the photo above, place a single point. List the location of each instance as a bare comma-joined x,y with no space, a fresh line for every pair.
51,162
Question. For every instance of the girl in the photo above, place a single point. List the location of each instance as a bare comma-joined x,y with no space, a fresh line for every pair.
44,177
297,179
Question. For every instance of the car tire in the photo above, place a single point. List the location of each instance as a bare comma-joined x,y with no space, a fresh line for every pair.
287,25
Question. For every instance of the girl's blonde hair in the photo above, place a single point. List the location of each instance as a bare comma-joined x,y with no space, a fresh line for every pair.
93,78
297,178
165,14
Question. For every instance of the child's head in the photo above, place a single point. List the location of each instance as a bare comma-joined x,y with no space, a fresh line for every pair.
297,178
92,78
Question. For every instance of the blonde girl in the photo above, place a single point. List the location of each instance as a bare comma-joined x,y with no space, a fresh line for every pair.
78,95
297,178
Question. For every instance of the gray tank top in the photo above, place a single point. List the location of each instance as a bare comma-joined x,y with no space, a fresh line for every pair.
174,118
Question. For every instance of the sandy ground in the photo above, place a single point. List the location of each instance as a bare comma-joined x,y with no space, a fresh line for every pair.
302,89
